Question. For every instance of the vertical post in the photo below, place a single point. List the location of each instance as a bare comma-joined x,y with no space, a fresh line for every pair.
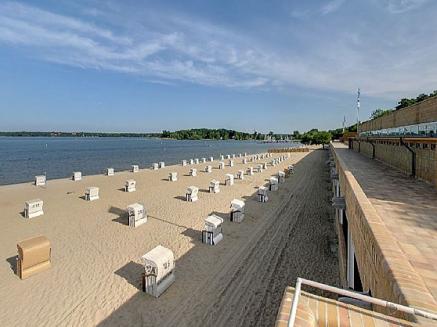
344,123
358,111
295,303
413,157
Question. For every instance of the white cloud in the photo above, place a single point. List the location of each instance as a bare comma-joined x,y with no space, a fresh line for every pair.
331,6
170,49
401,6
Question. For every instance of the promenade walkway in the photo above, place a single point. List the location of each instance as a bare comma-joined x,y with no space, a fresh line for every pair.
408,208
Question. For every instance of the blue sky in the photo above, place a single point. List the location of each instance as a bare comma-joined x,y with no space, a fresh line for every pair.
249,64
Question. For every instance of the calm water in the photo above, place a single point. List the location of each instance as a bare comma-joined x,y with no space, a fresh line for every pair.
21,158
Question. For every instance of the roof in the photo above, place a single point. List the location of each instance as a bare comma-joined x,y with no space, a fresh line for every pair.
137,206
33,201
158,254
214,220
236,203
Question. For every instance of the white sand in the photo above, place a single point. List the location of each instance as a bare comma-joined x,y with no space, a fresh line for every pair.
96,273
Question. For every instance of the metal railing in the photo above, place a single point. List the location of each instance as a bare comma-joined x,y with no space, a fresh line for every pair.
351,294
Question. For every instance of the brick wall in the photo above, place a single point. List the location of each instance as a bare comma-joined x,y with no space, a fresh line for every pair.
394,154
383,267
422,112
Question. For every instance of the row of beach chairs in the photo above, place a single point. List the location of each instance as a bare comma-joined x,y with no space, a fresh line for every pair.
34,255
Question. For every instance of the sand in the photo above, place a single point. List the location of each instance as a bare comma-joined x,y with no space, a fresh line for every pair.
96,273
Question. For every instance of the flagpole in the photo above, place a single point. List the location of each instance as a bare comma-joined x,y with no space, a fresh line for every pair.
358,111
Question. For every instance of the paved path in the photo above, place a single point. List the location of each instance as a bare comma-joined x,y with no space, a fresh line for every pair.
408,208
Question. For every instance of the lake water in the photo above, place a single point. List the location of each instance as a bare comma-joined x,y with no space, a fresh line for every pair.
21,158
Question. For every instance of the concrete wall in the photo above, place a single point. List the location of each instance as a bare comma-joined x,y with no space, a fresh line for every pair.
422,112
394,154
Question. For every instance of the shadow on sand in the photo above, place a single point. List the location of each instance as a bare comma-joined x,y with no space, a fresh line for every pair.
122,215
134,311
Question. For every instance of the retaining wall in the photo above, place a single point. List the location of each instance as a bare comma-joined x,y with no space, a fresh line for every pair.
422,112
392,152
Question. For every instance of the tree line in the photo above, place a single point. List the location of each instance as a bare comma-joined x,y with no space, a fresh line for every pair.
205,133
77,134
217,134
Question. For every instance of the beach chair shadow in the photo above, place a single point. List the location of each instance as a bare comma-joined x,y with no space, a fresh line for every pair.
195,235
122,216
82,197
131,272
180,197
12,263
204,190
22,214
121,189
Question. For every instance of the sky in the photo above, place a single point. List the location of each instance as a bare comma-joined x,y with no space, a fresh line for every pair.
146,66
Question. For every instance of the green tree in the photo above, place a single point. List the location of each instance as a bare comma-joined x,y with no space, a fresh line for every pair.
379,113
322,138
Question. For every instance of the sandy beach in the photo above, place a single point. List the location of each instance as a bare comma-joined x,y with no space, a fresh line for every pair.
95,277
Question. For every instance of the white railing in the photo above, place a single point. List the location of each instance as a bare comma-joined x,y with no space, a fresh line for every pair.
351,294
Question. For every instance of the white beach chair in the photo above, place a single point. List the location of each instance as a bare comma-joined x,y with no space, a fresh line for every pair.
137,214
40,180
33,208
77,176
191,195
130,185
237,210
240,174
159,268
273,184
173,176
92,193
214,186
229,180
262,194
212,232
281,176
109,171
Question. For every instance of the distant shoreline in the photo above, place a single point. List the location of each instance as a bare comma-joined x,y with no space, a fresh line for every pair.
78,134
191,134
